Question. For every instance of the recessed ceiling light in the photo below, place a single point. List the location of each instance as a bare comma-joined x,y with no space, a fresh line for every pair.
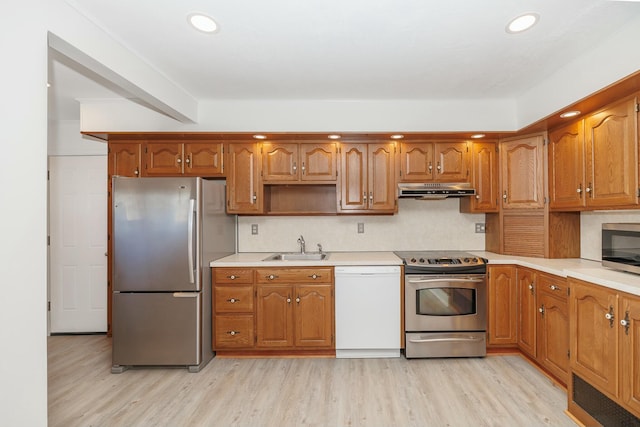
334,136
258,136
397,136
202,22
522,23
570,114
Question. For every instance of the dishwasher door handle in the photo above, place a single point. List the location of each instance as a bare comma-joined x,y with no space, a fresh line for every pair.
444,279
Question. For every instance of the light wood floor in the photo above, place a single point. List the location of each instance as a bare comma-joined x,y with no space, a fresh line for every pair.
491,391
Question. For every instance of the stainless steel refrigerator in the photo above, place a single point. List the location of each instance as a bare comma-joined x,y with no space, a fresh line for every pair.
166,231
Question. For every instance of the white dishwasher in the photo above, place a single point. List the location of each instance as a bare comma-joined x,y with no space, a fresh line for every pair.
367,311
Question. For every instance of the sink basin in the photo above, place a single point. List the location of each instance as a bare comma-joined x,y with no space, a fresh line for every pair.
297,256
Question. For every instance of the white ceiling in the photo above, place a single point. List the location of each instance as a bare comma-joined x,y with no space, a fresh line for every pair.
342,49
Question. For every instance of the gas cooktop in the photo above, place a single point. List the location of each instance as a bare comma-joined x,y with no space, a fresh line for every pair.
441,262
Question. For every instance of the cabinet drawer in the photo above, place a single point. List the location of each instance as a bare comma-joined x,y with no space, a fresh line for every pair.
553,285
234,331
233,299
233,275
295,275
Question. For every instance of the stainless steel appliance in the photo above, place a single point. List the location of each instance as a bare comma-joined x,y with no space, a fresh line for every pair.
434,190
445,304
621,246
165,233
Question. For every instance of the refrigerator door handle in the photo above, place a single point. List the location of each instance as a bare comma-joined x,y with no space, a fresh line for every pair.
185,295
192,210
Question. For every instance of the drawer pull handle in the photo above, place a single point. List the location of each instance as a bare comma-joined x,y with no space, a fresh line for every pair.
271,277
232,277
233,300
314,276
232,333
554,288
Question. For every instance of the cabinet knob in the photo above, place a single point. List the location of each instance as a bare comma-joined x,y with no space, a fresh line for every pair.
531,287
232,333
233,300
136,172
314,276
610,316
232,277
541,309
588,190
579,190
188,160
430,167
625,323
178,160
439,167
477,197
504,195
289,300
271,277
295,167
298,300
554,287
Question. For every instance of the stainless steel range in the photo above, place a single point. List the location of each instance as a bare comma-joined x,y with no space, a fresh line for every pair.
445,304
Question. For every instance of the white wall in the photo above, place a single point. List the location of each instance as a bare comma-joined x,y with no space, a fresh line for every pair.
23,251
591,229
419,225
64,139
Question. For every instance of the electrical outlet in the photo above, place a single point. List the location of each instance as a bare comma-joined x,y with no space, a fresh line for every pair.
254,228
481,227
361,227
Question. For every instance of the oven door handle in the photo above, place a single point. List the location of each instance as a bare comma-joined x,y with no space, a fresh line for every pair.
444,279
450,339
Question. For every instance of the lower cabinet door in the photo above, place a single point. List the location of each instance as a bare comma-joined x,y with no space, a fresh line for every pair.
313,316
553,335
274,316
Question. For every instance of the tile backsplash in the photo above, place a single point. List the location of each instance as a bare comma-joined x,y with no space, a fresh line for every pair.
418,225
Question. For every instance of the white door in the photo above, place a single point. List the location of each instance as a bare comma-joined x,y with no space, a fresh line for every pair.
78,243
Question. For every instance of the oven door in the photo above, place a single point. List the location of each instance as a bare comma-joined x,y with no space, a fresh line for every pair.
445,303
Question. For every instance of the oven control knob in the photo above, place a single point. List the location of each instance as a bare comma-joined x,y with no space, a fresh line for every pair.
422,260
467,260
413,260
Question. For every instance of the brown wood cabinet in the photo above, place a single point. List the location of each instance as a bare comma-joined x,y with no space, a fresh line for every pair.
552,294
522,172
367,183
295,308
484,178
566,167
502,302
294,162
173,158
244,185
612,155
233,308
438,161
605,349
593,161
124,159
527,310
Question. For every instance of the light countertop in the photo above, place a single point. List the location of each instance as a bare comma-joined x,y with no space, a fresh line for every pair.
582,269
255,259
589,271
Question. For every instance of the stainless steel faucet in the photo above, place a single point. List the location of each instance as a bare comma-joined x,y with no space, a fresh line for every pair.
301,243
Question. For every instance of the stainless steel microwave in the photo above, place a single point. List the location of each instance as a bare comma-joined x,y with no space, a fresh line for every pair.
621,246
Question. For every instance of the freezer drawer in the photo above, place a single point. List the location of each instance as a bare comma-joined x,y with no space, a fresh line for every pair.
157,329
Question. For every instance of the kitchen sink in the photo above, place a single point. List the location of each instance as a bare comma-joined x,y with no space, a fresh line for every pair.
297,256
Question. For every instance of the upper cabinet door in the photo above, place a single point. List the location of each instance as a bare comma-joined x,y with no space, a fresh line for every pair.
353,184
484,178
124,158
381,180
318,162
244,189
204,158
522,169
280,161
612,153
416,161
452,164
164,159
566,167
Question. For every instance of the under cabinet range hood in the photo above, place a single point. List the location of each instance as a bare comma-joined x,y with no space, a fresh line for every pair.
434,190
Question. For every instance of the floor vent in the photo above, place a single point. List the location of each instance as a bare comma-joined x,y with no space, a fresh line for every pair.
600,407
